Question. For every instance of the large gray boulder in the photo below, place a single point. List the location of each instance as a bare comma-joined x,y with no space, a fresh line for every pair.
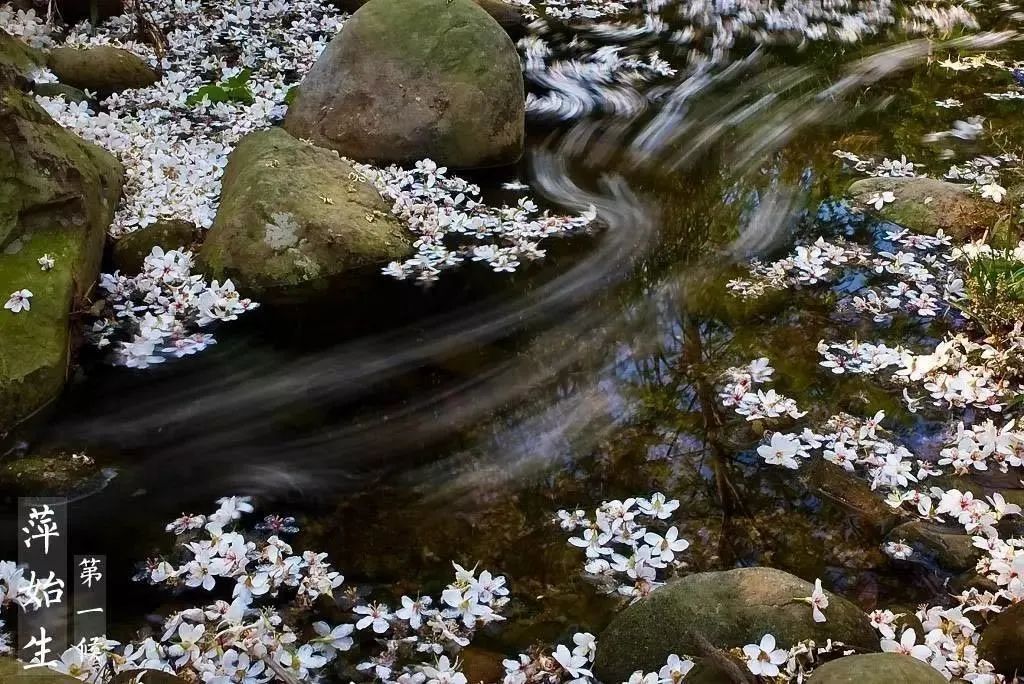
728,609
410,79
292,216
58,194
877,668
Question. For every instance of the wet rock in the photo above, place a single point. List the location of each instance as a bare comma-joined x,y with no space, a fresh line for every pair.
102,68
1002,641
946,547
876,668
57,196
481,665
831,482
46,475
294,215
60,90
132,249
721,669
410,79
13,672
728,609
926,205
17,60
509,17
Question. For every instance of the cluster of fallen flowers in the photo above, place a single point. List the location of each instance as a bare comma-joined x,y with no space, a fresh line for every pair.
453,226
175,146
975,382
159,313
174,150
626,544
247,639
574,665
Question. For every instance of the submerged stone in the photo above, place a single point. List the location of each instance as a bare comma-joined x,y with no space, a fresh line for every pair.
57,196
842,488
294,215
69,93
876,668
728,609
131,250
101,68
406,80
46,475
926,205
1002,641
946,547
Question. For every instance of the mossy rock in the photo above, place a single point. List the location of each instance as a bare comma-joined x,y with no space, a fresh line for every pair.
45,475
926,205
60,90
293,215
946,547
1002,641
131,250
17,60
13,672
406,80
58,194
101,68
876,668
729,609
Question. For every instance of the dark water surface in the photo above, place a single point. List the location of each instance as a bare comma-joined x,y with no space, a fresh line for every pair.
409,427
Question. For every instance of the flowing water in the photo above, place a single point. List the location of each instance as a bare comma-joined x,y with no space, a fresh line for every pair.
410,427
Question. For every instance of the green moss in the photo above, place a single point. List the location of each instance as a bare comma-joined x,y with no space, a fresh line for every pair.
926,205
13,672
51,475
57,196
33,356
